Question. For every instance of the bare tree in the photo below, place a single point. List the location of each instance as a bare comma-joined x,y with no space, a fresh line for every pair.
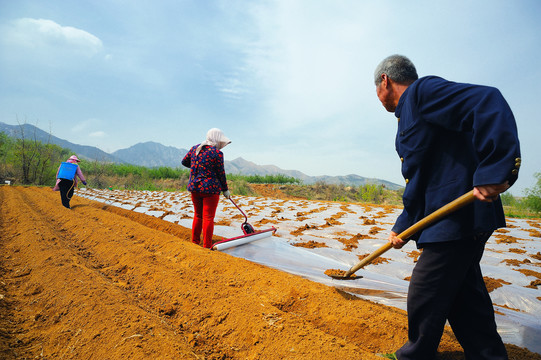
35,158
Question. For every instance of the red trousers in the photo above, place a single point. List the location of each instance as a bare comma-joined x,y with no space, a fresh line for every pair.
203,220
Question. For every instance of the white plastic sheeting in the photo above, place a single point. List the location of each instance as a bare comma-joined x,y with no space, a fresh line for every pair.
300,221
241,241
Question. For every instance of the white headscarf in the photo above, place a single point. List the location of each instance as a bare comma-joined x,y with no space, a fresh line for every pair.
216,138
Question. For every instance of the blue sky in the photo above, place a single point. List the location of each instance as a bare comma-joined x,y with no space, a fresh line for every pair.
290,82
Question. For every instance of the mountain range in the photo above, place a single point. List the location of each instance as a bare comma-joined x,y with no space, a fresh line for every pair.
153,154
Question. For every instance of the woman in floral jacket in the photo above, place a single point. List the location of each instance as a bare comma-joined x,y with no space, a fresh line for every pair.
207,180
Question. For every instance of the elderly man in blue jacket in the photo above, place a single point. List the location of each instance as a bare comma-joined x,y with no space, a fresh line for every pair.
451,138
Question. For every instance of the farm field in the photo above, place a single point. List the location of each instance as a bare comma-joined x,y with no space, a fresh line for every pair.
117,277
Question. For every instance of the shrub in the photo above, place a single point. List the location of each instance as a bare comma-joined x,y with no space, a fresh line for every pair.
533,195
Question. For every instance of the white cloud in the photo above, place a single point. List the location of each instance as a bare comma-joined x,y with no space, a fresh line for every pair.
231,86
87,127
97,134
311,60
47,34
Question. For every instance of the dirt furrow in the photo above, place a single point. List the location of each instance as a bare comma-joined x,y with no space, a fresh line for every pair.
66,307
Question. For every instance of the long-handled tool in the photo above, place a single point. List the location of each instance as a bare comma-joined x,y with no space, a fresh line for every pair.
421,224
249,234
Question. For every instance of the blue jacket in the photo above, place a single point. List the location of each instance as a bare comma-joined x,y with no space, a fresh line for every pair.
452,137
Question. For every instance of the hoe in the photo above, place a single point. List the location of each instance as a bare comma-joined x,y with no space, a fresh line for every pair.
421,224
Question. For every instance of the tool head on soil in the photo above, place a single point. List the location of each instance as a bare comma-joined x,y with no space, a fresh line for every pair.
341,274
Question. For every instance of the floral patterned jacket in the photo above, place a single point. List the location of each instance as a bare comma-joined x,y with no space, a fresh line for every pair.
207,173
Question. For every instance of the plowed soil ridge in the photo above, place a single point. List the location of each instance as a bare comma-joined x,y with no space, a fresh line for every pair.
99,282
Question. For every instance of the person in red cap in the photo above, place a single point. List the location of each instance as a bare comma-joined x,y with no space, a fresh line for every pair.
66,179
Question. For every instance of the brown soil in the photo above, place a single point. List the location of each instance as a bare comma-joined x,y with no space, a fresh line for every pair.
310,244
375,230
376,261
349,244
505,239
369,221
302,229
493,284
531,273
99,282
534,233
272,191
415,254
331,222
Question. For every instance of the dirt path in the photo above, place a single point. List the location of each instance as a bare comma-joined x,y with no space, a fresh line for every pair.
98,282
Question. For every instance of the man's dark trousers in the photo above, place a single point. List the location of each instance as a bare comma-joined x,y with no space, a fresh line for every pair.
447,284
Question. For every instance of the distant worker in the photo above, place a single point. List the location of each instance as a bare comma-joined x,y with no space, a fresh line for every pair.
207,180
451,138
66,179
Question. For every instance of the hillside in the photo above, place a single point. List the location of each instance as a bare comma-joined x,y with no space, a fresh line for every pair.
32,132
153,154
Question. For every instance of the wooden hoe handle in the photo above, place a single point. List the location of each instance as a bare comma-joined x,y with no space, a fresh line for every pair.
419,225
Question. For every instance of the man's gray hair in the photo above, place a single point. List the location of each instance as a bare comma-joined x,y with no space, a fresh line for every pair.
398,68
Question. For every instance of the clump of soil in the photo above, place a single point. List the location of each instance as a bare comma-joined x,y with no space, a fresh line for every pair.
374,230
349,244
376,261
368,221
505,239
165,214
415,255
301,216
266,221
534,284
310,244
517,251
528,272
359,236
331,222
493,284
346,209
515,262
223,222
302,229
534,233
